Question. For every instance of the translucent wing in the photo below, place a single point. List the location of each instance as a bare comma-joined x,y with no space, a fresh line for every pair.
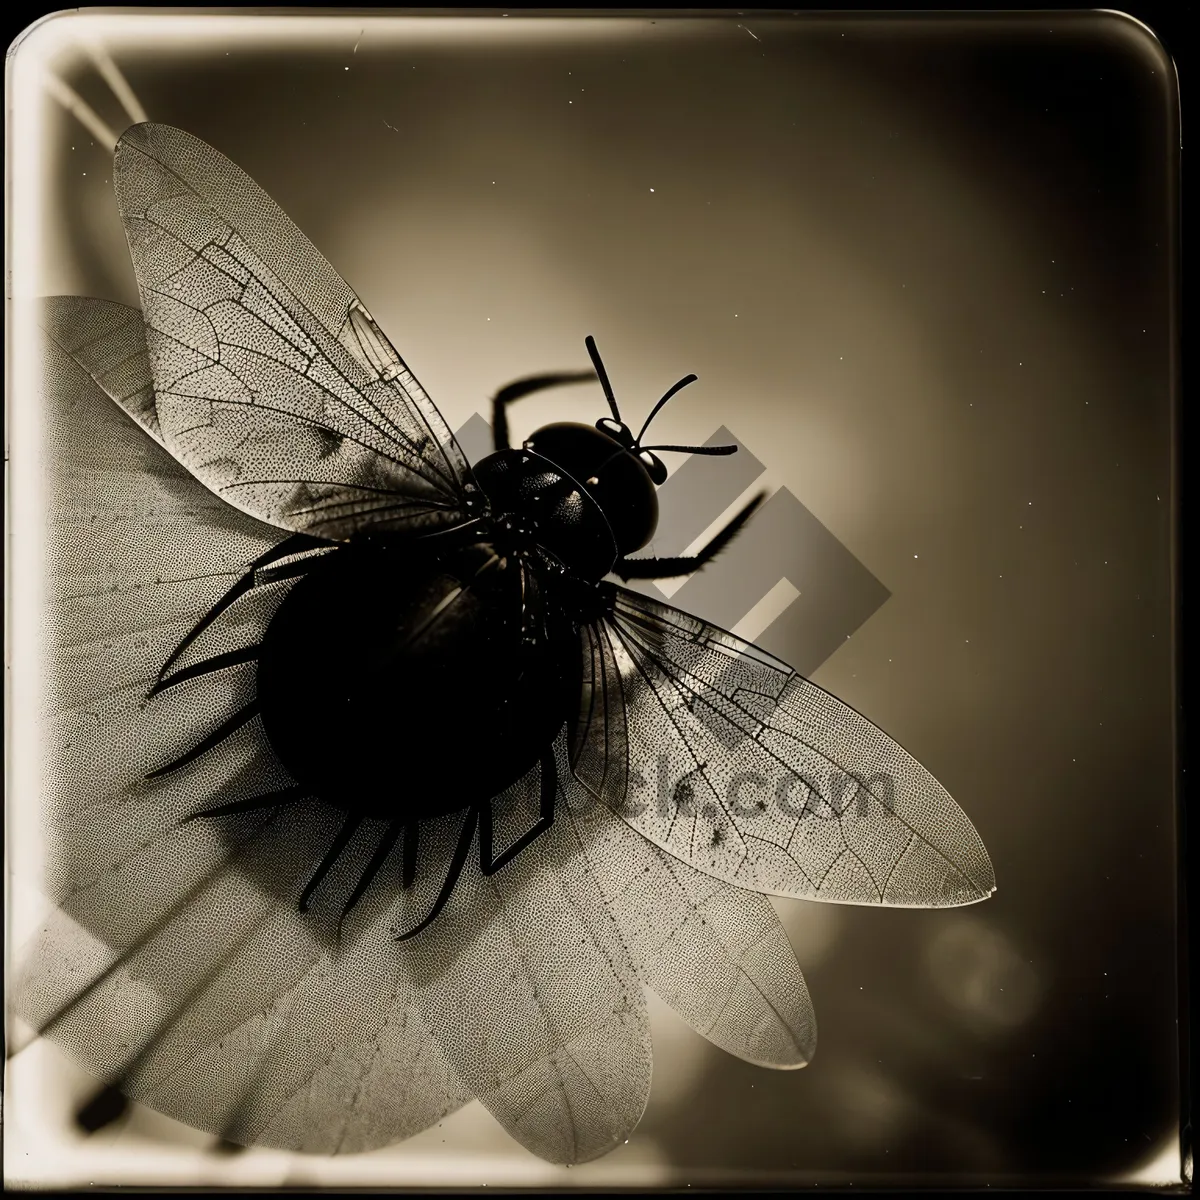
526,981
718,955
186,976
731,762
137,553
108,341
273,384
177,965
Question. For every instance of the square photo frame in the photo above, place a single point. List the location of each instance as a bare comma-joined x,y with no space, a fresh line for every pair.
924,268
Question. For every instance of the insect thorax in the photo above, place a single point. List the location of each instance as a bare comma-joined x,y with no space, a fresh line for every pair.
533,499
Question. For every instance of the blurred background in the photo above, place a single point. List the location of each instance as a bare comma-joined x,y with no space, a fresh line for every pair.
922,268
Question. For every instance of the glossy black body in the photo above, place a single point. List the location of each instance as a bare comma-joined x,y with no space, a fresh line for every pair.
608,473
407,678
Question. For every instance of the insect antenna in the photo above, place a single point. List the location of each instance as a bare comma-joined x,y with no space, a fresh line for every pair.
602,375
677,387
696,449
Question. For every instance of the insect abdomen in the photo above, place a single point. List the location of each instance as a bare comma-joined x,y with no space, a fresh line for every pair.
405,685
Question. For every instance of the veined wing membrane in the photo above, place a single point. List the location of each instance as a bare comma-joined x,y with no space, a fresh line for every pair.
176,963
108,340
717,955
733,763
273,384
527,982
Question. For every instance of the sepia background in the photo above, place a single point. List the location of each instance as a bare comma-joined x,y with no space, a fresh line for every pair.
923,270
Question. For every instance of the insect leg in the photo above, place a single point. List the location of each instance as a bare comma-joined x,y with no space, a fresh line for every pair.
209,666
390,836
271,800
295,544
242,717
465,838
339,843
108,1102
412,840
128,953
106,1106
489,865
525,387
665,568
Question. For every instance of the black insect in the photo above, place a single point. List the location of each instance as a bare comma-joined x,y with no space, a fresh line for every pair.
396,652
403,648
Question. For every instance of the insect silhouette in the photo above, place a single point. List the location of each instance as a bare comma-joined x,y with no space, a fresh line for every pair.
337,660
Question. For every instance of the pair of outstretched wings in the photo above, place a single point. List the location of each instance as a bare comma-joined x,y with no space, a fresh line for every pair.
275,388
177,964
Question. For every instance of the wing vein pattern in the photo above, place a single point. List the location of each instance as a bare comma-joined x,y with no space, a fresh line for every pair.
730,761
272,383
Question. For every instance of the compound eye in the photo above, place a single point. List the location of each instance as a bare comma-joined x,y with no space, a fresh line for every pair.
654,467
617,430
